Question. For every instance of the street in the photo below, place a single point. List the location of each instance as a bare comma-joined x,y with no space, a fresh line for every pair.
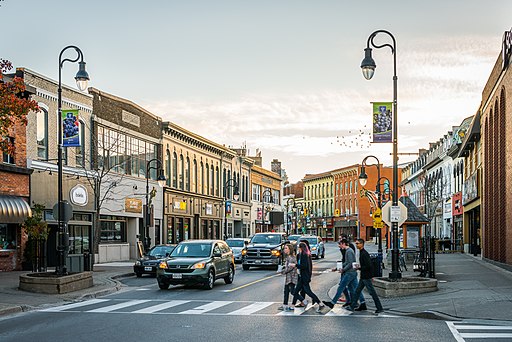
245,310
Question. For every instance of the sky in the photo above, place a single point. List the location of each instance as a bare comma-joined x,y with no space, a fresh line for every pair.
279,76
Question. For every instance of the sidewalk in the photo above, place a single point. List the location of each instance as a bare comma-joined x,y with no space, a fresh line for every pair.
13,300
468,288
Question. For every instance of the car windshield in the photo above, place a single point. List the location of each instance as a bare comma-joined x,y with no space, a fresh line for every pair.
293,237
235,243
192,250
312,241
270,239
160,251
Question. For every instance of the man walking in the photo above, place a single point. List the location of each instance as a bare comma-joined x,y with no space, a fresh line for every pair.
348,274
366,277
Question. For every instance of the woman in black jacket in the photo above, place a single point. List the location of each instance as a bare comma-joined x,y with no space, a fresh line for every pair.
305,267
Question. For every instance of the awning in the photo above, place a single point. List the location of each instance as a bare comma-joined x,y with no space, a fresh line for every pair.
13,209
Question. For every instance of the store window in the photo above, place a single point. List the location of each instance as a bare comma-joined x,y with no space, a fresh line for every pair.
113,229
79,241
7,236
8,158
42,134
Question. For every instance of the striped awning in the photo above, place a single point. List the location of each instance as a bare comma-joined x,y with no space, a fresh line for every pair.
13,209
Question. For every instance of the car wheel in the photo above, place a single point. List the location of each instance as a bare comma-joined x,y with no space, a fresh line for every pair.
246,267
163,286
231,275
138,274
211,280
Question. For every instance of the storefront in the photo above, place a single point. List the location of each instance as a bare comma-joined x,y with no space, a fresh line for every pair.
458,222
13,212
471,202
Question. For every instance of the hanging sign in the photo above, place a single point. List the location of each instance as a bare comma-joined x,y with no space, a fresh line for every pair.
382,119
70,128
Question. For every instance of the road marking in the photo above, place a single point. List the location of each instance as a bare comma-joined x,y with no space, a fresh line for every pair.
120,305
251,283
337,311
459,331
250,309
162,306
75,305
205,308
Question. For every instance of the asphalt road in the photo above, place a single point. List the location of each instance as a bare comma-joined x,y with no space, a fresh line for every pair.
243,311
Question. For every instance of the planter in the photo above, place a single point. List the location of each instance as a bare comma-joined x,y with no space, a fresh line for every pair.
406,286
51,283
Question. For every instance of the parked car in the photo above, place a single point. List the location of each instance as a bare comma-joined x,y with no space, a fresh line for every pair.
197,262
237,245
264,249
149,262
316,245
294,238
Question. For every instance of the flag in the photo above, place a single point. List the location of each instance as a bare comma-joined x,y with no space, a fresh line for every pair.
70,128
382,120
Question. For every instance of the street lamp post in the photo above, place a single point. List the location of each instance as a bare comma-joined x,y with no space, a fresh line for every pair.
263,207
82,77
363,178
161,181
287,216
299,208
368,67
230,182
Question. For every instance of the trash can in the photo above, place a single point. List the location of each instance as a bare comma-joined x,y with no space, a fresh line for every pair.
376,261
75,263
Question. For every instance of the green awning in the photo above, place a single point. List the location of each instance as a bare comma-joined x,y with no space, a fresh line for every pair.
13,209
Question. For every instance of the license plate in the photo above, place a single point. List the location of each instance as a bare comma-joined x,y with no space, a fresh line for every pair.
177,275
148,268
258,261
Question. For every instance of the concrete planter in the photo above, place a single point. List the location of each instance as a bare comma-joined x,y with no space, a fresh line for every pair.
53,284
407,286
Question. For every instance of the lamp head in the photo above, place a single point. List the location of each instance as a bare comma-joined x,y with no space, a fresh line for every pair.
363,177
161,178
236,194
82,77
368,64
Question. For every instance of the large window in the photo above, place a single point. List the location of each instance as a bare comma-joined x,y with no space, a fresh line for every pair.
7,236
8,158
113,229
80,151
256,190
174,170
187,174
79,241
182,173
42,134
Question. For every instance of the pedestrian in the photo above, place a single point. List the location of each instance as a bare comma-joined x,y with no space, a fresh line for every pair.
348,276
365,266
291,276
305,267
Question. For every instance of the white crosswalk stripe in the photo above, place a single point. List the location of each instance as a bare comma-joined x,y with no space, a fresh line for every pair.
464,332
194,307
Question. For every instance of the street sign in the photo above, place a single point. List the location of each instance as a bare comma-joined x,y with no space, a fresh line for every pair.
398,215
378,225
67,210
377,215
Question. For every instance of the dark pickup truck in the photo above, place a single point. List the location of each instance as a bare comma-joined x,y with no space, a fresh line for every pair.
264,249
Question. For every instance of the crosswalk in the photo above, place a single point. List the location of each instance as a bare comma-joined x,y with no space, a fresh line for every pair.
465,332
195,307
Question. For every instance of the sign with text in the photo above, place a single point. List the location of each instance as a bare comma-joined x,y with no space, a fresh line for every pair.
382,119
70,128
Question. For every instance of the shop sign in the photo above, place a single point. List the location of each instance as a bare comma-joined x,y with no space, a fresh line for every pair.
78,195
457,208
506,48
208,209
180,205
470,189
133,205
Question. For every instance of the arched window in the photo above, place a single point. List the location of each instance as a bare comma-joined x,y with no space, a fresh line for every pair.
168,167
195,175
42,134
187,174
217,178
174,170
207,174
212,181
202,178
80,151
182,172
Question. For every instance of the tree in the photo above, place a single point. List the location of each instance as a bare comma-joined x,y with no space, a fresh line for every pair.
37,230
14,105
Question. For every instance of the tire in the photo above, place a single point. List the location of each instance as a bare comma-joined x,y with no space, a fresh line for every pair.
231,275
211,280
138,274
246,267
163,286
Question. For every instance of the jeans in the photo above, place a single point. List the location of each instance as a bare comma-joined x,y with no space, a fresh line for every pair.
347,294
288,289
301,285
369,286
347,280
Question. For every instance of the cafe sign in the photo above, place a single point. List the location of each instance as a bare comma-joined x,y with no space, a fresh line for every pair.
506,48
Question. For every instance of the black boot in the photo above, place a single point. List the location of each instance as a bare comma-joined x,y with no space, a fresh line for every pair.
346,305
362,307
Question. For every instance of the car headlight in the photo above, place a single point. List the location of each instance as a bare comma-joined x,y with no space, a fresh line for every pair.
162,264
137,263
313,248
244,251
199,265
275,252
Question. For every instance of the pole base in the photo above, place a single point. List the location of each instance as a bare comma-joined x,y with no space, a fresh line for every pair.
395,275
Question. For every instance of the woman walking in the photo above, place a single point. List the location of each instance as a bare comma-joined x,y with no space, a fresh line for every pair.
305,267
290,273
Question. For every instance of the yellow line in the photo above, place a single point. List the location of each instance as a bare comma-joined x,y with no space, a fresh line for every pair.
251,283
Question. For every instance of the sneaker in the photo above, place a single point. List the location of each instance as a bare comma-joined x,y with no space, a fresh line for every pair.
346,305
362,307
349,308
300,305
378,311
306,302
320,307
289,308
328,304
281,307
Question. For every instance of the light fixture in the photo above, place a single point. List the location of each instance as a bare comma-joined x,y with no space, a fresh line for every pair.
82,77
161,179
363,177
368,64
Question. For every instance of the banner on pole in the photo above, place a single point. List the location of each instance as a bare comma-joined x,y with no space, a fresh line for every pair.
228,208
382,119
70,128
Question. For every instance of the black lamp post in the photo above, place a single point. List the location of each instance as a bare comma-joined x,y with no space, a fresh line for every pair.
161,181
287,211
363,178
263,207
299,209
368,67
82,77
230,182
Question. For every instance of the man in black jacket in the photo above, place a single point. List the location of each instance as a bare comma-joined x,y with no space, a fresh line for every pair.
366,277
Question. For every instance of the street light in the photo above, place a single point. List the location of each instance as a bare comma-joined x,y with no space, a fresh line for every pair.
230,182
287,216
263,207
161,182
368,67
363,179
297,212
82,77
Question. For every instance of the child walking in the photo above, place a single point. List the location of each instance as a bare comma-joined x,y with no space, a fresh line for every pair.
290,273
